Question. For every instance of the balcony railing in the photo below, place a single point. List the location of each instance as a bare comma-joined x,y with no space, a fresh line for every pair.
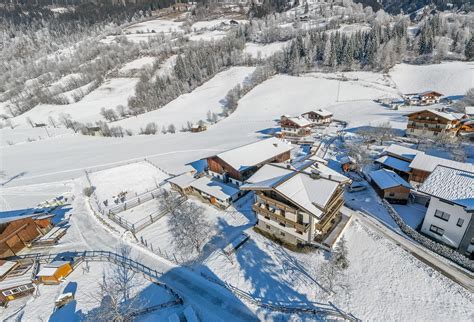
332,213
278,204
279,218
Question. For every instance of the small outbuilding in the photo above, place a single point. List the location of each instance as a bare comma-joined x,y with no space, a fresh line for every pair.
54,272
182,182
390,186
348,164
16,280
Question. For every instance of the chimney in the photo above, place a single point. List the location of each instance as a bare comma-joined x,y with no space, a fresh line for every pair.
288,166
275,144
315,174
330,176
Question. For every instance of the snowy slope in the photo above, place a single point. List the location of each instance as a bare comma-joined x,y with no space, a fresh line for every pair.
193,106
111,93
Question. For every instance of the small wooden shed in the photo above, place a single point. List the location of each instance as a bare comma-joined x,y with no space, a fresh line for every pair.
390,186
54,272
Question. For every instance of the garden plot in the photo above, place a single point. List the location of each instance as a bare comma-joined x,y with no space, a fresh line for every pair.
378,271
193,106
85,286
226,225
263,51
112,92
132,179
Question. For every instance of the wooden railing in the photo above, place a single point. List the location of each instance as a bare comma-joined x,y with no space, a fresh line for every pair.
276,203
279,218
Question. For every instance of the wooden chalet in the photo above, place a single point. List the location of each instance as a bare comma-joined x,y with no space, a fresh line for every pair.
298,205
423,98
294,128
431,123
199,128
318,117
17,231
390,186
238,164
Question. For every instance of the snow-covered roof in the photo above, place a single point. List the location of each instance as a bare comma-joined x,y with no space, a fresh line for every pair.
445,115
51,268
12,215
300,121
401,151
394,163
215,188
6,266
469,110
386,179
183,180
13,281
320,112
430,92
451,184
253,154
428,163
310,193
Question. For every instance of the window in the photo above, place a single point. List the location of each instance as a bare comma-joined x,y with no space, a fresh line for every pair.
299,232
283,234
391,194
435,133
460,222
282,224
442,215
437,230
268,226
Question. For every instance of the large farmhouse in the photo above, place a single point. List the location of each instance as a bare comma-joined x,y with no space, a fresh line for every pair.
432,123
238,164
294,128
449,218
423,98
318,117
298,205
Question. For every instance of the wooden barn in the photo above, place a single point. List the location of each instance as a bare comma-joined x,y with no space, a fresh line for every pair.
238,164
390,186
318,117
19,229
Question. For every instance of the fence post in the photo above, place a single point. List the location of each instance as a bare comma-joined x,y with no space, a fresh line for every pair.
176,261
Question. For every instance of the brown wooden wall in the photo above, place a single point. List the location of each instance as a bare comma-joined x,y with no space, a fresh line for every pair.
15,234
419,175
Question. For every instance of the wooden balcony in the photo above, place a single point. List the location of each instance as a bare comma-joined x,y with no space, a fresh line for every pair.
275,203
279,218
325,223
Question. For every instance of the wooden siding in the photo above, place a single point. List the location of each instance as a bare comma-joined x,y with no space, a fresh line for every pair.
419,175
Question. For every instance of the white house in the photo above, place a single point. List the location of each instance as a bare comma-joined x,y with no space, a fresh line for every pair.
449,218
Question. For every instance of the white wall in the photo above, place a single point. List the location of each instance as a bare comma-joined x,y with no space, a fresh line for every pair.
452,233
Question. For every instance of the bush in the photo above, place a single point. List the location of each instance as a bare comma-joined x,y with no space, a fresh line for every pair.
88,191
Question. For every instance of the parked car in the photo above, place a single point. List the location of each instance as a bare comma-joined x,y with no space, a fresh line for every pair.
357,186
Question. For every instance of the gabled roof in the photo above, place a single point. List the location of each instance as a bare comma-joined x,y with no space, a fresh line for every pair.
394,163
300,121
430,92
12,215
215,188
401,151
183,180
253,154
301,188
321,112
386,179
428,163
444,115
451,184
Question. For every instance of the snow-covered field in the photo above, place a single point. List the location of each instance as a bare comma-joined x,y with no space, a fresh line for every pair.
259,50
84,284
111,93
194,106
449,78
10,136
256,112
155,26
134,178
384,282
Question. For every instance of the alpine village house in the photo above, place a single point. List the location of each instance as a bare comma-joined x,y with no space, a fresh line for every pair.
298,205
431,123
